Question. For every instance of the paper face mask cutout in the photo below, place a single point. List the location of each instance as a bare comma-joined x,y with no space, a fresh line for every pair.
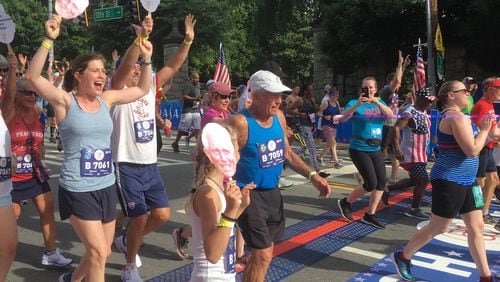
150,5
7,27
219,149
70,9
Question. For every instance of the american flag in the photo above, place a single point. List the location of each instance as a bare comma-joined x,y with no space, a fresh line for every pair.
419,73
221,74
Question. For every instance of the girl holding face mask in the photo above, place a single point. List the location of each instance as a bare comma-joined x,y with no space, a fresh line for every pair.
214,205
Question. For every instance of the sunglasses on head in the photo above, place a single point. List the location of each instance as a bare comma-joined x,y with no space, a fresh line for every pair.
28,93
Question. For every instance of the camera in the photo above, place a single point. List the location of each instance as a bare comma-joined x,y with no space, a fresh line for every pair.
365,92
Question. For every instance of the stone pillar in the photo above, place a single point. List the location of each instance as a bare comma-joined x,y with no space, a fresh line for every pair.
323,73
172,42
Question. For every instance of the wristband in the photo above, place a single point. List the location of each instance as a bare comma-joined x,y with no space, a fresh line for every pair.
187,42
228,218
225,223
137,41
146,63
311,174
46,44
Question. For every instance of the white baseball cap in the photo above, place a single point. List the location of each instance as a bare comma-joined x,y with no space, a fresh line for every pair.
268,81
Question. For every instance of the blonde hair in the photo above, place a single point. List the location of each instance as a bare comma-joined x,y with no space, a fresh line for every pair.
203,165
443,93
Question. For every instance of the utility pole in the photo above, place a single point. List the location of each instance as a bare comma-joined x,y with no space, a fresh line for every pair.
431,12
49,8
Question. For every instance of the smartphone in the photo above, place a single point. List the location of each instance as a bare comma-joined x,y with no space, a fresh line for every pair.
364,90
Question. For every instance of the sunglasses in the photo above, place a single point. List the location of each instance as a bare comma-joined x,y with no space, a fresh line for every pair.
222,97
28,93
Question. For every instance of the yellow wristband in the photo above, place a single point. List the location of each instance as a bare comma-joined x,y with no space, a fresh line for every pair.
46,44
137,41
225,223
311,174
187,42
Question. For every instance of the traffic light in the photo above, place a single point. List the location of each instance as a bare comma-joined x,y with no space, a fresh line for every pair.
136,12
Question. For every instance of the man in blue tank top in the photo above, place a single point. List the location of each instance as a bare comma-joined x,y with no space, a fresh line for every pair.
263,150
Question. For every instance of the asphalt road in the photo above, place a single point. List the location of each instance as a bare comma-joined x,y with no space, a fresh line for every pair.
158,254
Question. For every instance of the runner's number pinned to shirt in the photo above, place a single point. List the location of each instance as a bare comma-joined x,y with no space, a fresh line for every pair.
7,27
70,9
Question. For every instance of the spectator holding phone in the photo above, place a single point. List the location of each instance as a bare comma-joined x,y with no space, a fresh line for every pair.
368,113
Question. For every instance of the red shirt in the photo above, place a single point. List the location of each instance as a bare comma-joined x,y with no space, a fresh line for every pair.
481,108
25,140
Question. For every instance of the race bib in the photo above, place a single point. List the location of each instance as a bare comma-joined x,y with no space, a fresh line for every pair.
95,162
5,168
376,133
271,153
478,196
24,164
144,131
230,256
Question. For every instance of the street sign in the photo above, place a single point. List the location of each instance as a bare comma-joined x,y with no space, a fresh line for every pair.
110,13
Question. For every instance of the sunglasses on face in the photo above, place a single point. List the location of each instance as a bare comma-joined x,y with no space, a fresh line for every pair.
28,93
222,97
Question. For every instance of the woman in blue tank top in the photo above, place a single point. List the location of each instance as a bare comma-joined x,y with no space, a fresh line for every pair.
86,193
328,109
454,189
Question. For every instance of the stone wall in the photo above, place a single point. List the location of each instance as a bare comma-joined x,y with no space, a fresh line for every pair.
182,75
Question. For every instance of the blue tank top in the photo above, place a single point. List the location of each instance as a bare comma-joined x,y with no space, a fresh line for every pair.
261,160
86,139
452,164
367,123
330,111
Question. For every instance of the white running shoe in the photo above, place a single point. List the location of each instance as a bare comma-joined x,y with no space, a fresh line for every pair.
121,244
130,273
283,183
55,259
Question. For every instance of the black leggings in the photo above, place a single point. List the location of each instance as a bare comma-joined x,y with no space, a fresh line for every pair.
371,166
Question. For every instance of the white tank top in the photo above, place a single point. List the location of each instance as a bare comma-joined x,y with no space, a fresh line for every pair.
203,270
5,161
134,133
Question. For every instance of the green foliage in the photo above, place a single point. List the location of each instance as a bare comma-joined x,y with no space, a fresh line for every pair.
29,31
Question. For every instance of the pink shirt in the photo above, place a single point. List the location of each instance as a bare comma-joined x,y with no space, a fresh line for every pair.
211,114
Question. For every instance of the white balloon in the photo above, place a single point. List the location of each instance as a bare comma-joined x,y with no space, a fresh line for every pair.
7,27
150,5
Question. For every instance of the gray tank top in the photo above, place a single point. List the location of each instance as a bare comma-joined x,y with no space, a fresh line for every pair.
86,139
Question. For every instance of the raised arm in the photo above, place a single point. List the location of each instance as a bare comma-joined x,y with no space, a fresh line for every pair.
40,84
398,75
8,109
178,59
124,96
131,55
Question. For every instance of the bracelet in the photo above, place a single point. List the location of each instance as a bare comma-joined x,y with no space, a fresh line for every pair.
46,44
144,63
228,218
311,174
225,223
50,37
187,42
